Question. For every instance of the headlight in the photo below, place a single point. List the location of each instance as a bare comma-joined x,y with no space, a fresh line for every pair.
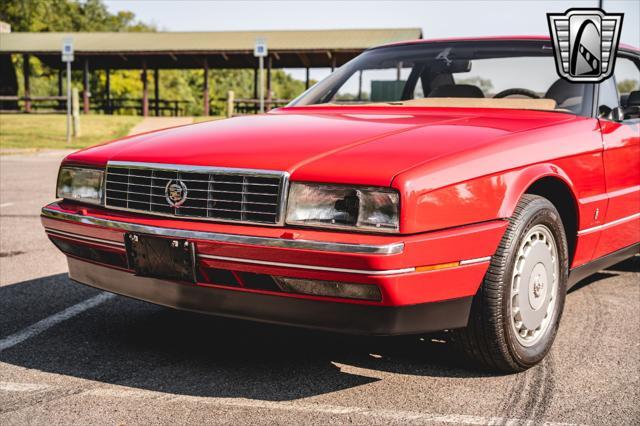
80,184
333,206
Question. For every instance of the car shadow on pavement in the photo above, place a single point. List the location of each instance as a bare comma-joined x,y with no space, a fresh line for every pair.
629,265
598,276
136,344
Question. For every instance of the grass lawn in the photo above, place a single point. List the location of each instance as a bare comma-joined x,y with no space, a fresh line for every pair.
200,119
49,131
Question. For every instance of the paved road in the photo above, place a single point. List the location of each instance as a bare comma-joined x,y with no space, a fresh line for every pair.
70,354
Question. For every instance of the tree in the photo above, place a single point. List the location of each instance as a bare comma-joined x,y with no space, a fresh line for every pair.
66,15
626,86
72,16
93,15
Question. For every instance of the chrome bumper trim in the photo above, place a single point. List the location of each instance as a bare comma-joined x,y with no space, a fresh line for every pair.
371,272
310,267
189,168
83,237
386,249
119,245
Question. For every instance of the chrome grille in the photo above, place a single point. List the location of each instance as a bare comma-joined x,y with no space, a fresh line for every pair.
215,194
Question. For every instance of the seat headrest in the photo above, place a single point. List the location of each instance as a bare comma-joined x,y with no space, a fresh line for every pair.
634,99
562,90
456,91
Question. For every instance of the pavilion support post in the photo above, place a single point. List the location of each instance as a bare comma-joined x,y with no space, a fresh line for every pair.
60,86
205,94
333,62
85,87
306,81
107,89
145,90
26,72
230,103
269,66
156,91
255,85
60,77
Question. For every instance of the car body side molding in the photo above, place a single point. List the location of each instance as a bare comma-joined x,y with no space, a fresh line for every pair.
581,272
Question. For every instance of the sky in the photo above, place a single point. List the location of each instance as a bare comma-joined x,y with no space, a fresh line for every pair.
453,18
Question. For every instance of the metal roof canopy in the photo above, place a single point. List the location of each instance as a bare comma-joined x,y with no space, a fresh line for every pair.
228,49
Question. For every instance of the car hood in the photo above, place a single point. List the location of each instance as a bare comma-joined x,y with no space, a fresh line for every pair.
347,145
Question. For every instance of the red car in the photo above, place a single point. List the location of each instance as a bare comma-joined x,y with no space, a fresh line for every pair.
430,185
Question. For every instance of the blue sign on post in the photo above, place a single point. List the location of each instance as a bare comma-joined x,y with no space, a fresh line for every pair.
67,50
260,51
260,48
67,56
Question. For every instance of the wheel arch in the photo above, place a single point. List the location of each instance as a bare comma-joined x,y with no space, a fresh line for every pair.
551,182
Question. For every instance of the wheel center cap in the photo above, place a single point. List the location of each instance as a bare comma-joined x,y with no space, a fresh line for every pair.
538,286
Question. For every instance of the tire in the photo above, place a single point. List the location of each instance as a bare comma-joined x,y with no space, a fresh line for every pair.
522,285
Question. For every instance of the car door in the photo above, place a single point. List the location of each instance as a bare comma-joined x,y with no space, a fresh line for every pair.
621,157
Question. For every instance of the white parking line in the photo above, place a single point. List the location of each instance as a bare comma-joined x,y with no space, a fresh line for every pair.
5,205
373,414
54,319
21,387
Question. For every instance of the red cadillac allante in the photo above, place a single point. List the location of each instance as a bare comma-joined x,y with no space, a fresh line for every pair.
456,184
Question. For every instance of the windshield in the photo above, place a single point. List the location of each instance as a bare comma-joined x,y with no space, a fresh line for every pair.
483,74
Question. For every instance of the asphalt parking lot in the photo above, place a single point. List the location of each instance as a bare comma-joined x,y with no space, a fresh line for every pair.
71,354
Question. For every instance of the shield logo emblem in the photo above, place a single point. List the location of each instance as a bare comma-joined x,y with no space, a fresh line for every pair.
585,43
175,192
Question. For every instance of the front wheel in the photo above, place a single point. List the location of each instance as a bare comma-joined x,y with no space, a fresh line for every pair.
515,314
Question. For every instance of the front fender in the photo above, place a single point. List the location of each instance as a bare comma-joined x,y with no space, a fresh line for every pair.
477,200
525,178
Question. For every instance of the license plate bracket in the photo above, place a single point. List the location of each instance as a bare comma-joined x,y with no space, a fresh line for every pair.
157,257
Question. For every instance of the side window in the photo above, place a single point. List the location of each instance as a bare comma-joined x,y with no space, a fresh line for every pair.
374,85
627,75
418,91
607,97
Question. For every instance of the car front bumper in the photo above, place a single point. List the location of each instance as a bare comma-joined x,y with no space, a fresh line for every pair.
418,293
300,312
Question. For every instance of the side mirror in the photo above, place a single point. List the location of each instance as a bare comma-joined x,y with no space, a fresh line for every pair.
616,114
612,114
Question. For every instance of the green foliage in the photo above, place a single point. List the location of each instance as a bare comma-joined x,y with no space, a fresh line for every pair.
66,15
93,15
285,86
629,85
69,15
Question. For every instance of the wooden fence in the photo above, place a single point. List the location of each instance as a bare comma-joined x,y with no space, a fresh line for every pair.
58,104
132,106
